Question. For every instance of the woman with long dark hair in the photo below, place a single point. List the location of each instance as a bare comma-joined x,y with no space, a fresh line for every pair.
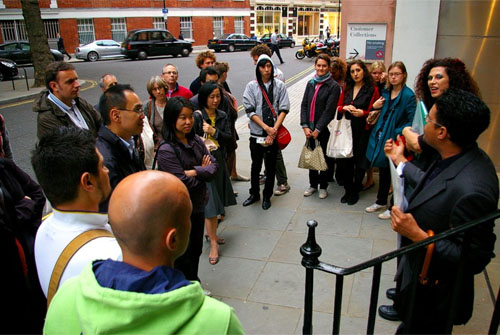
184,155
215,125
316,111
356,101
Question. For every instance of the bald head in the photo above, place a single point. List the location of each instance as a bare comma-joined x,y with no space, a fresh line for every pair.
147,211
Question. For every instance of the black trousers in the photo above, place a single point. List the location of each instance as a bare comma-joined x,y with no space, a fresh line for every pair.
276,48
257,152
188,263
384,185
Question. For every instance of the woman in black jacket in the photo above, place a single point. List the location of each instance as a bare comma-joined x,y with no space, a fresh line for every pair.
215,125
316,112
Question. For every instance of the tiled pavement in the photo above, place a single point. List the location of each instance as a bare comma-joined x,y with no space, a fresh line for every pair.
260,274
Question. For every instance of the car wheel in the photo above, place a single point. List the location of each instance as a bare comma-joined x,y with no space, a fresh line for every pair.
142,55
185,52
92,56
230,48
292,45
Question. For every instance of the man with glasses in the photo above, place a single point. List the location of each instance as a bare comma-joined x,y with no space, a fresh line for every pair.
170,75
459,187
121,112
60,104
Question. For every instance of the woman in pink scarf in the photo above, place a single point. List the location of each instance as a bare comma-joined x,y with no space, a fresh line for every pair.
316,111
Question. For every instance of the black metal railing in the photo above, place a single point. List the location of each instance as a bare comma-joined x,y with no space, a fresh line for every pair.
310,260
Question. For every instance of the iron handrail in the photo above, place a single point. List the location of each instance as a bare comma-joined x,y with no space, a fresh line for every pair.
310,260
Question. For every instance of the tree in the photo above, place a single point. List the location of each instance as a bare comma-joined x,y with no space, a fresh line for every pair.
40,51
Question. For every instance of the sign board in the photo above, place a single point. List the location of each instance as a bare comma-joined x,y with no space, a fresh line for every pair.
366,41
165,13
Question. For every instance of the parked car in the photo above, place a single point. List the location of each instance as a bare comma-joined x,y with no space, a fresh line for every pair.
231,42
99,49
141,43
8,69
284,41
20,52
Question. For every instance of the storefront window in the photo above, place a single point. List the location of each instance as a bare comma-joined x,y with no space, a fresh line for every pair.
332,20
268,20
308,23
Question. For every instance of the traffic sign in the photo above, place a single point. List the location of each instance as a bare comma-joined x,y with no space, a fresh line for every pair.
164,10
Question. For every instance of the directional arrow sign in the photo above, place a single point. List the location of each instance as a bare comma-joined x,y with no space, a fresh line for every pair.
355,53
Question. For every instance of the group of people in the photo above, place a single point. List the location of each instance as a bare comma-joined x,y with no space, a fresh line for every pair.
92,164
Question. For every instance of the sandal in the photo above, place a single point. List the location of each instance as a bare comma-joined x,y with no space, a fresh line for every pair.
213,260
367,187
220,240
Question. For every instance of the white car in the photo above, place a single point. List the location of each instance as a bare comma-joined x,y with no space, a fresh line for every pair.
100,49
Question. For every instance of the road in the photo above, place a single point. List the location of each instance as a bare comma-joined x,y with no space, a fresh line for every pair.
21,121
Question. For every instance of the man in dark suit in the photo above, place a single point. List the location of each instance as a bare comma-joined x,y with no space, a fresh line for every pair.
458,188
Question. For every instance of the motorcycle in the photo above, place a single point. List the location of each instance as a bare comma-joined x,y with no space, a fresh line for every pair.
316,47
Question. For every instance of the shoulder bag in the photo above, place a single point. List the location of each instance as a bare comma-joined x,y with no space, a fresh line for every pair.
340,141
312,159
283,137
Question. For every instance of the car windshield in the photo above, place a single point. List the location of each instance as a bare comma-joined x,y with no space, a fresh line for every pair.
223,36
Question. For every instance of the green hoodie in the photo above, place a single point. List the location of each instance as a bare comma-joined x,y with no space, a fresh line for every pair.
82,306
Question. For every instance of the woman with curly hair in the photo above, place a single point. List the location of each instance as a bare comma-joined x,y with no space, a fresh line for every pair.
338,69
356,101
435,77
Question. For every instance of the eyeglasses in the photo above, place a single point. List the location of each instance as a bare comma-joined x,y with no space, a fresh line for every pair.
428,119
395,74
170,72
137,110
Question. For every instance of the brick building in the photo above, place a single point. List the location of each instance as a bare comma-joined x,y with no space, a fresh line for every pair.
82,22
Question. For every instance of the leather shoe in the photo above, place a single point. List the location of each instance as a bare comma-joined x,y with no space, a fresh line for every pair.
388,312
344,198
353,199
266,204
251,199
390,293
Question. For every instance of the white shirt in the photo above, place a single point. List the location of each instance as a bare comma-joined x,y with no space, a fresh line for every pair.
58,230
73,112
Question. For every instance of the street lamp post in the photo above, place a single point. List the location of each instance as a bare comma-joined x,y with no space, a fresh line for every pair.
165,13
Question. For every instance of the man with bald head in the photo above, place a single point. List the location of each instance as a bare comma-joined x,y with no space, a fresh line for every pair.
148,294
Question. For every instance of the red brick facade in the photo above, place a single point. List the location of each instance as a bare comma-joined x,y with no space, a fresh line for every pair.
202,25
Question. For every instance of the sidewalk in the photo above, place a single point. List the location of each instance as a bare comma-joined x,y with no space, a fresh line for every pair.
259,272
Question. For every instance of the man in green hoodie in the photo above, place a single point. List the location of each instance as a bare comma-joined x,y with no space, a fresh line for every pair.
149,212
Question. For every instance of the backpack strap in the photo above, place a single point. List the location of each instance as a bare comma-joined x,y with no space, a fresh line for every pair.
68,252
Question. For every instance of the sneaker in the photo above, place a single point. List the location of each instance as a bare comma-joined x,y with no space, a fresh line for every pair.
282,189
323,193
309,191
385,215
374,208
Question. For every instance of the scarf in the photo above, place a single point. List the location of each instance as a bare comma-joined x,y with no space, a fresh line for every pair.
318,81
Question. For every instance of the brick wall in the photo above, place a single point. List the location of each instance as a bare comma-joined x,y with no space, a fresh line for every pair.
102,28
139,23
202,30
69,33
174,26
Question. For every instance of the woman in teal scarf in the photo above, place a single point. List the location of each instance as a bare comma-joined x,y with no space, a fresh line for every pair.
316,111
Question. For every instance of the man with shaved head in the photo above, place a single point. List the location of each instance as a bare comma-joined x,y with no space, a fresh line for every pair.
148,294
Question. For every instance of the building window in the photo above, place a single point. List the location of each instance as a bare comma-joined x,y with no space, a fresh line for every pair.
158,23
85,29
118,29
239,25
218,26
15,30
187,27
308,23
268,20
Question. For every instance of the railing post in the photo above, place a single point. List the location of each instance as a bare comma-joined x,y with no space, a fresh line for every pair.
310,252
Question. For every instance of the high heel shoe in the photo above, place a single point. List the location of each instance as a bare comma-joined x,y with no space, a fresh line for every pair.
220,240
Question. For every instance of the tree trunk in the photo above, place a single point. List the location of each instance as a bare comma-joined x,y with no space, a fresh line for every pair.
40,52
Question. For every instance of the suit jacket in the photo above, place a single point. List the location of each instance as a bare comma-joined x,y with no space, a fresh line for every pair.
465,190
117,159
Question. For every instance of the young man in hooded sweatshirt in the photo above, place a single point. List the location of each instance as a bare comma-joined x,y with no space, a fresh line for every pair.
144,294
266,104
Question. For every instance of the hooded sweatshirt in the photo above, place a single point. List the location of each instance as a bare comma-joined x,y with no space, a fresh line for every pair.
82,306
255,103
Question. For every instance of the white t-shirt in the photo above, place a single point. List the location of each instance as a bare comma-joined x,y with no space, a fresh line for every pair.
58,230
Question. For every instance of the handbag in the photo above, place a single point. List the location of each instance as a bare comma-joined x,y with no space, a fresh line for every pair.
208,142
312,159
340,141
283,137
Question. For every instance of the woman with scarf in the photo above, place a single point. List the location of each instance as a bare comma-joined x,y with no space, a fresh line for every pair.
316,111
